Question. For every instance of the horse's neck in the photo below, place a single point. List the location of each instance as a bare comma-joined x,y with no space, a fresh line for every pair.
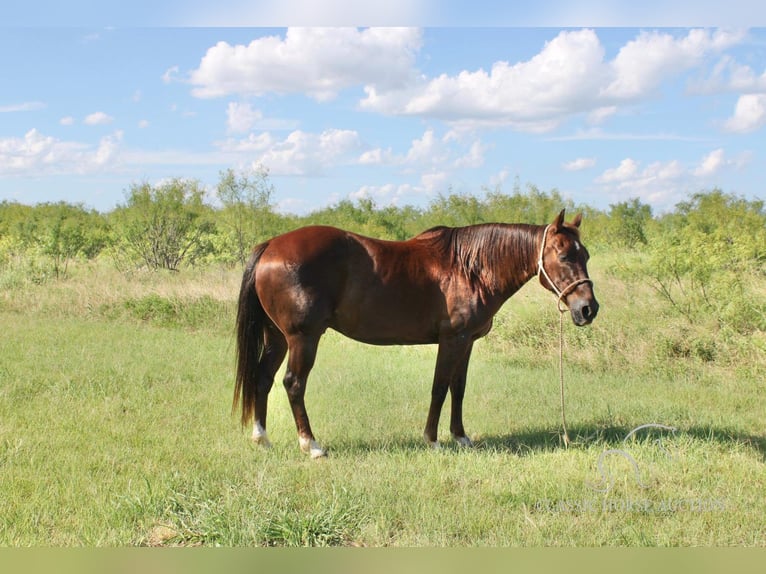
524,247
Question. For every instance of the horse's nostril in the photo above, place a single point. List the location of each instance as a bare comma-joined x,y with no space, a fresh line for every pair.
586,312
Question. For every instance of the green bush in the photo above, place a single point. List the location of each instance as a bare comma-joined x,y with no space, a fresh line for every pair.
203,312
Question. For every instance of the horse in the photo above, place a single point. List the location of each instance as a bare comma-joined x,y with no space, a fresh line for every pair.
442,287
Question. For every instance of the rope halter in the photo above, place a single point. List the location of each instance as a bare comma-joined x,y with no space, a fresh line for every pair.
541,271
560,294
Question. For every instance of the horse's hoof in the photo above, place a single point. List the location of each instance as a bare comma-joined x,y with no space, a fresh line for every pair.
260,437
463,441
311,447
262,441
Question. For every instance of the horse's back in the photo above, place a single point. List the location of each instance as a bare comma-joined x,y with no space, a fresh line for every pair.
372,290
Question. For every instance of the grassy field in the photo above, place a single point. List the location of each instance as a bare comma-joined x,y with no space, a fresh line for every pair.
115,427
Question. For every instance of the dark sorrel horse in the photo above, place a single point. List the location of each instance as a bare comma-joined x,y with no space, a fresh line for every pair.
443,286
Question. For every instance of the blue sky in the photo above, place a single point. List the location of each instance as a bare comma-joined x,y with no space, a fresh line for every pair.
602,104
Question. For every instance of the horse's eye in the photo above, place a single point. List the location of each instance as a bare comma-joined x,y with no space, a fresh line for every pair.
565,257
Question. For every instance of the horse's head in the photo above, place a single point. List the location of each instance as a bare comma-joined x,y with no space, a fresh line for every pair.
562,269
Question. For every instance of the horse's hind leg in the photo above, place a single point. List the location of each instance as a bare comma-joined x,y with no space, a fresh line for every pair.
274,350
302,352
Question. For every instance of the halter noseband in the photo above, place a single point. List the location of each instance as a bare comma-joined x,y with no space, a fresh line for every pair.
541,271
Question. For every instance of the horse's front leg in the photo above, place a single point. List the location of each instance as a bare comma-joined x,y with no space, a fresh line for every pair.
450,373
457,392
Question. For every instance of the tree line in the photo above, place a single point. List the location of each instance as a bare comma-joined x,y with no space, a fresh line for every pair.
695,257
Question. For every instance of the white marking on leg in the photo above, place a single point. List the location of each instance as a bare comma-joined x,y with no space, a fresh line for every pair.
463,441
260,436
434,444
311,447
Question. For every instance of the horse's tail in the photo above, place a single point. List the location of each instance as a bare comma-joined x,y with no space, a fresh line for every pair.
250,323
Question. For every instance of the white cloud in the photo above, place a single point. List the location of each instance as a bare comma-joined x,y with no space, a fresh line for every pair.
67,121
319,62
569,76
530,95
663,183
253,143
36,153
474,158
717,160
435,182
498,179
749,114
171,75
428,150
730,76
98,119
642,64
23,107
579,164
386,194
241,117
711,163
600,115
143,124
452,150
625,171
377,156
302,153
396,194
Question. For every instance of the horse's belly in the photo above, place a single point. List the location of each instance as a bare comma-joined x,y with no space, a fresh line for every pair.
384,325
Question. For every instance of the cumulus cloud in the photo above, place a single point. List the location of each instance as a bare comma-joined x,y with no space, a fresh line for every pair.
98,119
642,64
579,164
711,163
526,94
728,75
241,117
625,171
473,158
663,183
569,76
300,153
394,194
749,114
319,62
452,150
36,153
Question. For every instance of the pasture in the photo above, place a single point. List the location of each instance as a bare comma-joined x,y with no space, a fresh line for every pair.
116,427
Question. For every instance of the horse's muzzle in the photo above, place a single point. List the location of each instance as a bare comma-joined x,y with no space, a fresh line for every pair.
583,310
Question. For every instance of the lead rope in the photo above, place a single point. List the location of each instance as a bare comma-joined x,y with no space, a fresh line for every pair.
561,295
561,375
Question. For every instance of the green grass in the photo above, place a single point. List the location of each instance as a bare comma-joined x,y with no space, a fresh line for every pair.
116,430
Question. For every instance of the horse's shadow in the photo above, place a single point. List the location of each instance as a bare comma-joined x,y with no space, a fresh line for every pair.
550,440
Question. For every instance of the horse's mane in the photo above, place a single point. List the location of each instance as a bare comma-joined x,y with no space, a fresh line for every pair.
485,252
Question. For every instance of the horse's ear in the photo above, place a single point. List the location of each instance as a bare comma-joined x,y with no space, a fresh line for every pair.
558,223
577,220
